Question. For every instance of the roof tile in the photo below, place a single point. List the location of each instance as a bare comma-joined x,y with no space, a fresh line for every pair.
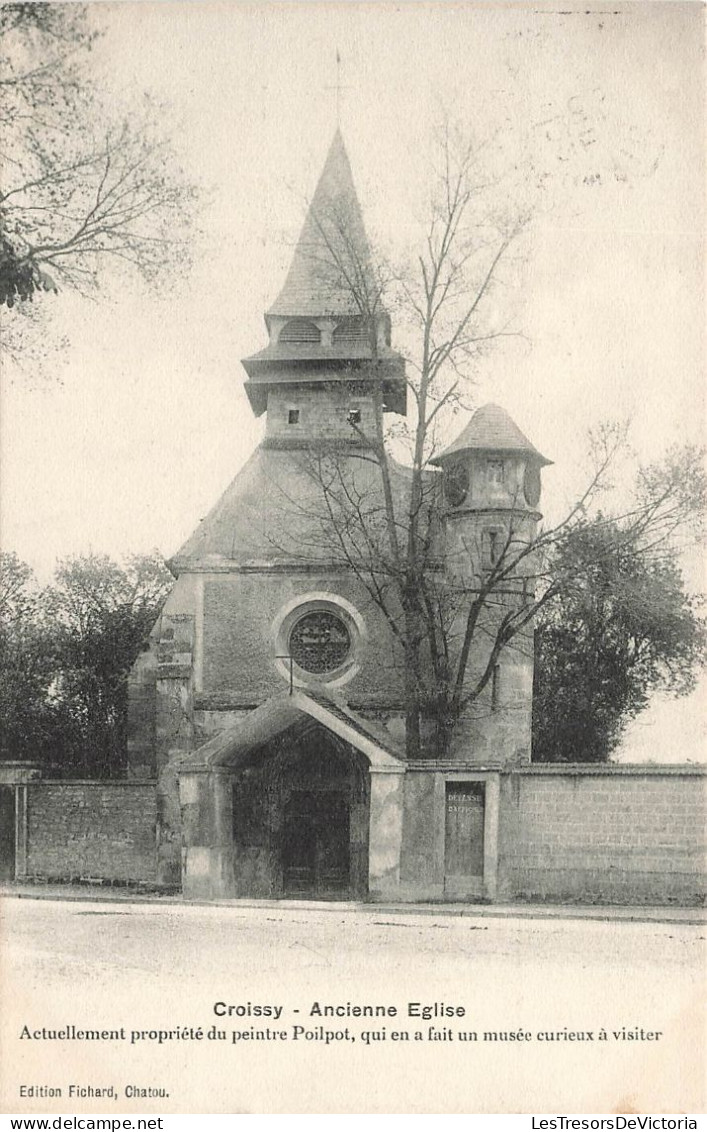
314,283
491,429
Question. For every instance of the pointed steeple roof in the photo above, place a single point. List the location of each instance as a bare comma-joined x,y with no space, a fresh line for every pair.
491,429
333,236
330,285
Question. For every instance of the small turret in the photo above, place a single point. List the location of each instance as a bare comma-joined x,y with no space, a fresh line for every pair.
490,494
491,490
491,463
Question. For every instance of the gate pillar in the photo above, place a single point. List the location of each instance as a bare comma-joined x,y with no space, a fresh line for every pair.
207,839
385,832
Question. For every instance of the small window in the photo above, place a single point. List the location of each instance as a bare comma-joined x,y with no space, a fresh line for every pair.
354,416
491,548
456,484
495,472
495,687
293,416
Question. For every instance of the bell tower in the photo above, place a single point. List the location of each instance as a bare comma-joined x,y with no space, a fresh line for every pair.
329,339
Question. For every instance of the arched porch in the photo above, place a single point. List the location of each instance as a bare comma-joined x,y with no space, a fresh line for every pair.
299,799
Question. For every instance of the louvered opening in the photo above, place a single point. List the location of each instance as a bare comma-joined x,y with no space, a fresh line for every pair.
351,331
300,330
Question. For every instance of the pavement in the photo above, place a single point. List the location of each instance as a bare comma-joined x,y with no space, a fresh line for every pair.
156,966
633,913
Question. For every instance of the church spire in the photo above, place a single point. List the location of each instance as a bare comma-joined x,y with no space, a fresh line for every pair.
332,247
320,324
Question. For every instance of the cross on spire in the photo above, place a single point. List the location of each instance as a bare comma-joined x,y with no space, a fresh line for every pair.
338,87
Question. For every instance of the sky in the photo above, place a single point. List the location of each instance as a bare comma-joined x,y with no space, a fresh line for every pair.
142,420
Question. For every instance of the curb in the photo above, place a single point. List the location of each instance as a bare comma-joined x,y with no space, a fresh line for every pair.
607,913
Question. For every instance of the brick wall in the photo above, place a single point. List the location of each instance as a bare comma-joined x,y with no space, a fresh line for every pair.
625,834
91,829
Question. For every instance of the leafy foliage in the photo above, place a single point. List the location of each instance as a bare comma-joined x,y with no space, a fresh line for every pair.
65,655
27,665
620,628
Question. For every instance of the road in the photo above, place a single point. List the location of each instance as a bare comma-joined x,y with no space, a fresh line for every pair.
140,969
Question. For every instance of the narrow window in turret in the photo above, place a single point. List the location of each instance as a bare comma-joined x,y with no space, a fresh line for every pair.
490,548
293,416
495,687
496,472
354,416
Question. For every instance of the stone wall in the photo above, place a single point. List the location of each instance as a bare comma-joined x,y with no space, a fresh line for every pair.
609,834
240,619
631,834
323,411
422,856
92,830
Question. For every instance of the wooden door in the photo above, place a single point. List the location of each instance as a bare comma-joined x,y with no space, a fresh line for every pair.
464,840
316,849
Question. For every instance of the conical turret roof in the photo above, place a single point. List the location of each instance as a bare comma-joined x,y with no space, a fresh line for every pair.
492,429
333,243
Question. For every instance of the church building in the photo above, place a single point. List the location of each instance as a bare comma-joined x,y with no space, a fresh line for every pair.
272,750
273,747
270,705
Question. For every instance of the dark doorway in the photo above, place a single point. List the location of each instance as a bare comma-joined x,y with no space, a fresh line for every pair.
7,833
300,818
316,845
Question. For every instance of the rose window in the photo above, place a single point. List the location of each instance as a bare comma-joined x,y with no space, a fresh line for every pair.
319,641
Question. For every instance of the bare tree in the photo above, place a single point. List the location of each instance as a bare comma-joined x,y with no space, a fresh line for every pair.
81,188
452,615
